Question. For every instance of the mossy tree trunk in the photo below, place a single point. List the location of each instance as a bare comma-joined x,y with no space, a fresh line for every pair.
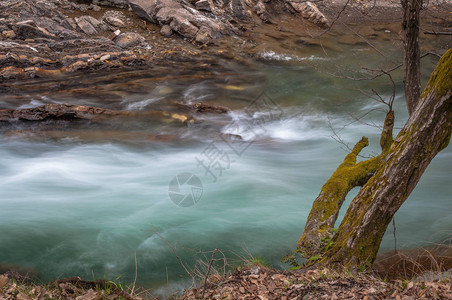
393,175
319,226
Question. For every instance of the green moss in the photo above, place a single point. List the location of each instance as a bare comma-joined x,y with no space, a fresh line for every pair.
441,80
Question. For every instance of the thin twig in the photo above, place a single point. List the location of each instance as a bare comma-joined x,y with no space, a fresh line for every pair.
364,39
395,237
173,248
337,18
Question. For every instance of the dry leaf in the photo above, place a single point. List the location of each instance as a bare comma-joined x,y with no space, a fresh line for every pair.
3,280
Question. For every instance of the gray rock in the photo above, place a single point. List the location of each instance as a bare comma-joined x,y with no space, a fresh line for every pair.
203,5
83,7
129,39
116,22
113,3
204,36
166,30
105,57
90,25
95,7
309,11
72,23
144,9
85,25
28,30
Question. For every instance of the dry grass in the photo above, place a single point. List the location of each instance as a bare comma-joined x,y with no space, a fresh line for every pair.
412,263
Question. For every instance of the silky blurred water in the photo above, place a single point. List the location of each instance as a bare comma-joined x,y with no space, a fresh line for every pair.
71,207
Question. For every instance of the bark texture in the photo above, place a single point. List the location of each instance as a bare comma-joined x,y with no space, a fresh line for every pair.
411,55
398,169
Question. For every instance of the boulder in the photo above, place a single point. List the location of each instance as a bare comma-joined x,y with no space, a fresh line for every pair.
90,25
129,39
203,5
116,22
309,11
204,36
29,30
114,3
166,30
85,25
144,8
114,18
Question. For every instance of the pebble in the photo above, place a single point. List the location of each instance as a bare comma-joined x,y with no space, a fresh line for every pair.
105,57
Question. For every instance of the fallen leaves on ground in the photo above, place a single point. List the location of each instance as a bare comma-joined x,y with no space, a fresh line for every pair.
265,283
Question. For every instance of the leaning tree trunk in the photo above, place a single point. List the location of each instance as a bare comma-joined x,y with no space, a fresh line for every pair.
400,166
411,53
318,229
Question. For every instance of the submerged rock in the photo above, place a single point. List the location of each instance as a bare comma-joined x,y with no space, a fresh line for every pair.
55,112
68,112
207,108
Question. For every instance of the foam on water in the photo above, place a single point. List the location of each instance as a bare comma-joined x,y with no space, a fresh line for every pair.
271,55
143,103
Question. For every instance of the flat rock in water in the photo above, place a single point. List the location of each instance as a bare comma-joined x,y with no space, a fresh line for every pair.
54,112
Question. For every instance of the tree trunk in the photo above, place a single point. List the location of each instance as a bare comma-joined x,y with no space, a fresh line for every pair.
400,167
411,53
319,226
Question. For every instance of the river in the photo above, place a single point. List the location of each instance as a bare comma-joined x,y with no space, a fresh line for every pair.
85,199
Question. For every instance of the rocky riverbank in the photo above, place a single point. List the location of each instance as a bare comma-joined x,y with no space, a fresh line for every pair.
55,37
52,38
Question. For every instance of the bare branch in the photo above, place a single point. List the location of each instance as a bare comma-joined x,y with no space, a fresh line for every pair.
437,33
208,271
